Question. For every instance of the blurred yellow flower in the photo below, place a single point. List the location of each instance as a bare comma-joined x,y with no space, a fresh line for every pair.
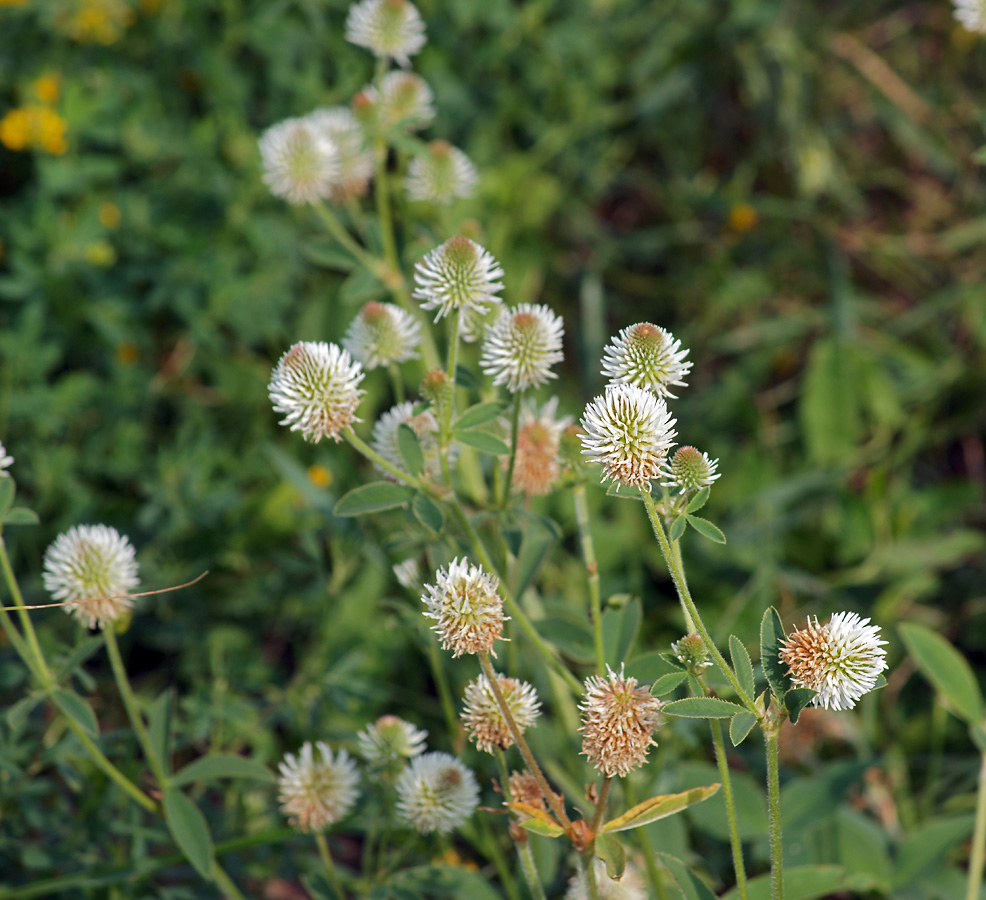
96,21
34,127
319,476
127,354
109,215
47,88
743,218
100,254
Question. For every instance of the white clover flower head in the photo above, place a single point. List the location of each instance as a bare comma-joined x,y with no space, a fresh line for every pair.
537,466
404,100
92,569
841,659
466,608
390,740
316,791
459,275
424,425
618,722
354,158
971,14
630,886
436,792
381,334
389,29
316,386
408,574
689,470
6,461
440,175
648,357
300,163
628,431
521,347
483,719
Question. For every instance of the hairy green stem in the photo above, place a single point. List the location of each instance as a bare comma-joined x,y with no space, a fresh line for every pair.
688,604
358,444
739,867
770,736
522,745
514,419
978,855
653,872
592,572
679,562
398,382
589,871
40,666
529,870
330,866
130,703
445,430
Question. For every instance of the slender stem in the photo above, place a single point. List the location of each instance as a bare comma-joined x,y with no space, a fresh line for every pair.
514,419
225,882
770,735
492,848
589,870
529,870
15,638
600,810
339,232
516,613
679,562
978,856
525,750
381,189
397,381
653,873
441,682
40,666
445,433
330,866
678,576
592,571
130,702
362,447
739,867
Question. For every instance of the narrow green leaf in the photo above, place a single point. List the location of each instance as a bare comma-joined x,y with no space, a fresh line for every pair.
740,726
373,497
73,706
667,683
545,829
428,513
698,501
927,845
613,854
705,528
78,656
159,726
479,414
7,492
947,670
210,768
410,449
796,700
190,830
20,515
482,441
17,714
677,528
659,808
691,886
541,536
771,636
466,378
317,884
361,286
703,708
327,253
742,665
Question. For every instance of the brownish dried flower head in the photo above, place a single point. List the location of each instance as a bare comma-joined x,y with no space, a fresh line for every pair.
618,721
484,720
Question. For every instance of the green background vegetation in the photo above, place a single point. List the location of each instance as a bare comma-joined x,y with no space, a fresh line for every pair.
790,188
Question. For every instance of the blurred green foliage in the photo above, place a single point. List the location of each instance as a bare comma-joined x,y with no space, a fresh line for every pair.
788,188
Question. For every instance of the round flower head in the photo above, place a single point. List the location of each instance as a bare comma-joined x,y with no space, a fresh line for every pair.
300,163
628,431
436,793
315,791
521,347
648,357
390,741
689,470
425,427
536,464
630,886
484,720
971,14
387,28
618,721
5,462
354,169
404,99
440,175
691,652
381,334
466,607
458,275
92,568
841,659
316,385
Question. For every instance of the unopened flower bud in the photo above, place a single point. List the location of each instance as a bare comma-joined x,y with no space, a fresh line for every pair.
689,470
691,652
